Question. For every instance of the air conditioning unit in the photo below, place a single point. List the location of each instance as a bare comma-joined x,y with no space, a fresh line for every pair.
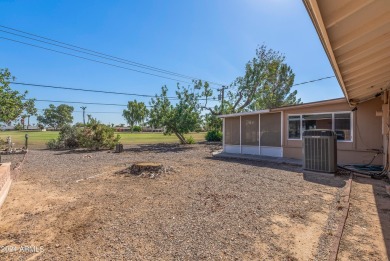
320,150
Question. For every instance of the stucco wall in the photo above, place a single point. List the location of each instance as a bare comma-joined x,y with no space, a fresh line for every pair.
367,132
5,181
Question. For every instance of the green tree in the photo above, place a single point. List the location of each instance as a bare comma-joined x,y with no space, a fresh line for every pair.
11,102
213,122
266,84
177,119
56,117
136,113
29,107
22,120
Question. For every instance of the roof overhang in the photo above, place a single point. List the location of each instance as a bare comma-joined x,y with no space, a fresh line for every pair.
356,37
243,114
311,104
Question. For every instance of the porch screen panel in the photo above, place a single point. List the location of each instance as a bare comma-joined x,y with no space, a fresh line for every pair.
232,131
270,128
250,130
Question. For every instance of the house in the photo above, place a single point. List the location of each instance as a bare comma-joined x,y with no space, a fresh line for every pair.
278,132
356,38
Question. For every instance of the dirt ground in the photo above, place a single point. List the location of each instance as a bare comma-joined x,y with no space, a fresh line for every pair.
75,206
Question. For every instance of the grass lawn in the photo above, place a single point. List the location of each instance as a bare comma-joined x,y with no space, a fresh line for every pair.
38,139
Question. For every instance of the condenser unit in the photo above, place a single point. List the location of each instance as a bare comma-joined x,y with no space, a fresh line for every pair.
320,150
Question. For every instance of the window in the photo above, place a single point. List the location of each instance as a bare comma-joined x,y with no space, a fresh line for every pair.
294,127
317,121
340,122
342,126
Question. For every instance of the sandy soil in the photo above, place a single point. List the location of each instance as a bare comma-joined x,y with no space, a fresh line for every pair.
366,234
75,206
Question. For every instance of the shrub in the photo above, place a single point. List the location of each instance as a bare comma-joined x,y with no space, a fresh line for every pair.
190,140
68,136
3,144
214,135
53,144
93,136
18,127
97,136
137,128
67,139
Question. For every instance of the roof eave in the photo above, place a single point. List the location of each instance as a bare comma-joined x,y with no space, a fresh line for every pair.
316,18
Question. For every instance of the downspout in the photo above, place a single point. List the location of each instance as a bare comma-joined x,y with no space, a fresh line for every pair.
240,138
386,101
223,134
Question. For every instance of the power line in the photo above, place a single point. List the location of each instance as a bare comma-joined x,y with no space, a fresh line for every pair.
85,90
113,112
90,90
77,102
100,54
316,80
93,60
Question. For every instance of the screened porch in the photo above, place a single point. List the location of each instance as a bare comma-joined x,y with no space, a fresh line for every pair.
255,134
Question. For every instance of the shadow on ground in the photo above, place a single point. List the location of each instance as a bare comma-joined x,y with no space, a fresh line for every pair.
160,148
318,178
382,201
326,179
78,151
260,163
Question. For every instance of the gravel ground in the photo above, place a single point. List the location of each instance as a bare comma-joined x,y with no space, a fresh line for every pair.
76,206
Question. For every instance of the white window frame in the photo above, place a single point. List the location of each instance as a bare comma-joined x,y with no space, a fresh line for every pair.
317,113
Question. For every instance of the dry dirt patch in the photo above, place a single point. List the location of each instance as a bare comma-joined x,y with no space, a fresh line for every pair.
205,209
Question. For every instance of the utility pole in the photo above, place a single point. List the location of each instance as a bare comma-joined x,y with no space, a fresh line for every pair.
83,108
221,97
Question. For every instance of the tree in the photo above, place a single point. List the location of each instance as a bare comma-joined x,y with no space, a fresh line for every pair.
22,120
56,117
30,109
136,113
178,119
213,122
11,102
266,84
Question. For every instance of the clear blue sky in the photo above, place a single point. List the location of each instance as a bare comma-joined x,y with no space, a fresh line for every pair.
208,39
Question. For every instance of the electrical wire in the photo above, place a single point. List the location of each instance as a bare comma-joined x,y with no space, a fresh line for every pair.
78,102
123,93
93,60
105,56
87,90
316,80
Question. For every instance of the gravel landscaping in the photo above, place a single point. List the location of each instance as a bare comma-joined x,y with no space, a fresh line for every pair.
76,205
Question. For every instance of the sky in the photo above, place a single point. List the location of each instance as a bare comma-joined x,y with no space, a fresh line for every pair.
210,40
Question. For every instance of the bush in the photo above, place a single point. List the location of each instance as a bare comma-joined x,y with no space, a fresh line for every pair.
68,136
190,140
53,144
137,129
18,127
214,135
97,136
67,139
93,136
3,144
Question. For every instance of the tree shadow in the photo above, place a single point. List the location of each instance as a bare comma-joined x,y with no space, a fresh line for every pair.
160,148
79,151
